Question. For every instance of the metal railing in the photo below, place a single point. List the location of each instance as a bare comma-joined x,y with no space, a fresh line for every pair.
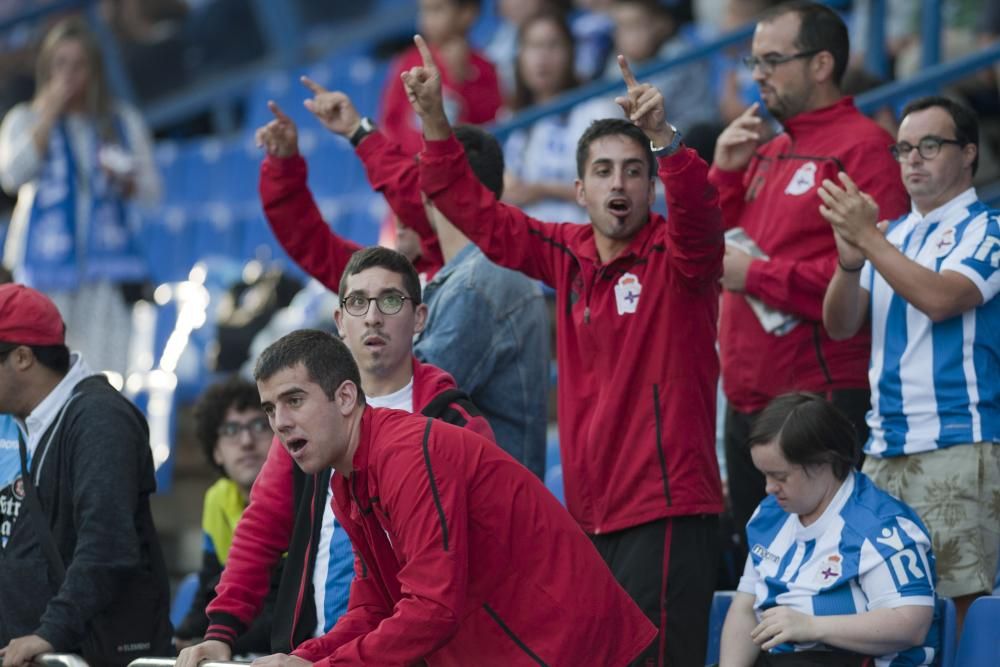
59,660
170,662
73,660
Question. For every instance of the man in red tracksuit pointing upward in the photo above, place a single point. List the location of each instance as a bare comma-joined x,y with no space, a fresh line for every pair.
637,302
462,557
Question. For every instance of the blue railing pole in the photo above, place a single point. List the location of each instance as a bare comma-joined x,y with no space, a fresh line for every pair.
114,65
928,81
876,58
930,33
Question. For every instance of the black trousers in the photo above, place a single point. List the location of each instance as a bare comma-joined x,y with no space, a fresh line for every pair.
669,568
746,484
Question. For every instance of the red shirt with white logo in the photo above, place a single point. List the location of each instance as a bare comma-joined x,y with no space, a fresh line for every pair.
774,200
635,339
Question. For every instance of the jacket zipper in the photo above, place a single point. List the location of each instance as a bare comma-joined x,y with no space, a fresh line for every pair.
819,355
659,444
305,571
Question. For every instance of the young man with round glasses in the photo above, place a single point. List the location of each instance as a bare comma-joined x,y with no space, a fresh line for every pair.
927,281
235,435
290,511
798,58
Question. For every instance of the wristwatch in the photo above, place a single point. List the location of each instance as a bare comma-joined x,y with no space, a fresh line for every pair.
364,129
669,149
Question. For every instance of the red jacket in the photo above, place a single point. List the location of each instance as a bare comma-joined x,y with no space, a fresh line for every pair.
462,557
476,100
265,532
775,201
298,224
636,389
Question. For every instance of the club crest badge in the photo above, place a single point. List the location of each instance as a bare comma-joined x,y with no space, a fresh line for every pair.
803,180
627,293
830,570
945,242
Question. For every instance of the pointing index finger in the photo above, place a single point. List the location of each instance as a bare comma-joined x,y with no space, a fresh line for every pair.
425,51
627,72
312,85
276,110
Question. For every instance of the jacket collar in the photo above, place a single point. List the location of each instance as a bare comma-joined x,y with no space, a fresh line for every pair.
588,246
464,255
361,454
45,412
819,120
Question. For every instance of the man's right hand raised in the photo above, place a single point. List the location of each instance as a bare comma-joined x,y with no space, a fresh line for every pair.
737,143
423,89
280,137
333,109
208,650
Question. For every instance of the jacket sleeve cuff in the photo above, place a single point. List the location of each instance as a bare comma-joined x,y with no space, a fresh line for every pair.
725,179
755,275
676,163
61,638
371,145
285,166
224,628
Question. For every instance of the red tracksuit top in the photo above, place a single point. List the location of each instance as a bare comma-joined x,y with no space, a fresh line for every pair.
298,224
462,557
635,339
774,199
264,531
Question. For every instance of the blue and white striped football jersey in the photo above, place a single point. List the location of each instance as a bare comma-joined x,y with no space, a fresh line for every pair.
867,551
934,385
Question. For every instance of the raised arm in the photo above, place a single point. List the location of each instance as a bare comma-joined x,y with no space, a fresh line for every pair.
507,236
390,170
695,222
289,206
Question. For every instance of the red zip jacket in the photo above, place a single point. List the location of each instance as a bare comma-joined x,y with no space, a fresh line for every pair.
635,339
775,201
265,532
475,100
298,224
462,557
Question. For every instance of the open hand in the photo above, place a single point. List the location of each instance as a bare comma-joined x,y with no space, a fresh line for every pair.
280,137
210,649
280,660
333,109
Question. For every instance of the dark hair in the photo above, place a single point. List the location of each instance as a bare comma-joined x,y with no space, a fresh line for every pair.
385,258
212,406
485,156
325,357
810,431
607,127
523,97
53,357
966,124
820,29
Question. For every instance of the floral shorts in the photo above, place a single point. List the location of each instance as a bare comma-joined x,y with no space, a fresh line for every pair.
956,491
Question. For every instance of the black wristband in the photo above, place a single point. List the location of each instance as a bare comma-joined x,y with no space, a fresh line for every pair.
848,269
365,128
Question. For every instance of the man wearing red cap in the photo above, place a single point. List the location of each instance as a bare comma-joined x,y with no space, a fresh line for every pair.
82,568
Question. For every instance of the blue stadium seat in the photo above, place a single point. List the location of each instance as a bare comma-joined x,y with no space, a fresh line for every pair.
980,644
183,598
948,623
716,618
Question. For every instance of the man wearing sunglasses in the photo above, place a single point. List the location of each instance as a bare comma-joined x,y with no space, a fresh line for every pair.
235,435
928,283
798,57
380,311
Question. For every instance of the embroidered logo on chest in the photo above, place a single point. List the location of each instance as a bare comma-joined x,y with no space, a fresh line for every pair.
803,180
627,293
829,570
944,243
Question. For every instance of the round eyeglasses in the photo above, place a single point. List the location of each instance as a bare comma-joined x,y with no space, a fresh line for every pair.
257,428
927,148
389,303
768,62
